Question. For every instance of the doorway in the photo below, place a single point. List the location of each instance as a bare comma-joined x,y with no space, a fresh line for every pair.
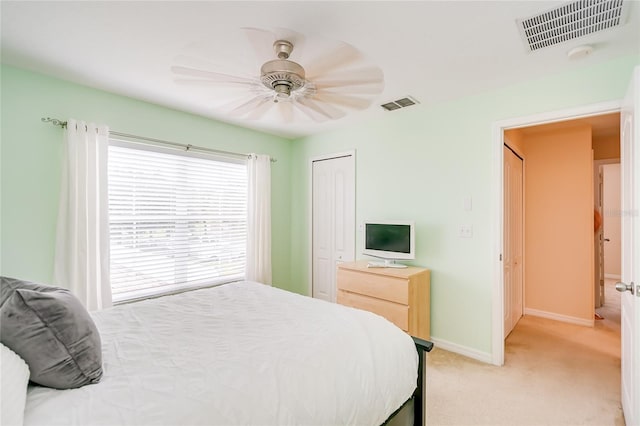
333,220
499,129
559,215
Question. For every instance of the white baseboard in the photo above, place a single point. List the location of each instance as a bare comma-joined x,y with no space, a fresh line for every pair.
613,277
462,350
559,317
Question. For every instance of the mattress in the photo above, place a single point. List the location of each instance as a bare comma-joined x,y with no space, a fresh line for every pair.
238,354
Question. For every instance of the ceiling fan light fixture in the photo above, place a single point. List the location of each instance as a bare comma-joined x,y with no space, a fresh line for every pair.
340,78
282,76
282,88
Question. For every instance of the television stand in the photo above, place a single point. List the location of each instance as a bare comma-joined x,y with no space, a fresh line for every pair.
399,295
385,264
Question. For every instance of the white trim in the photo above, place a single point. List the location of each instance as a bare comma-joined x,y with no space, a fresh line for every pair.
560,115
613,276
498,128
461,350
350,153
497,230
559,317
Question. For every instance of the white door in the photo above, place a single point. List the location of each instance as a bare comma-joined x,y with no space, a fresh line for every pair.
513,240
598,243
630,309
611,220
333,218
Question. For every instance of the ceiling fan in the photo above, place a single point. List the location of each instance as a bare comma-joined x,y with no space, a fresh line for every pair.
335,78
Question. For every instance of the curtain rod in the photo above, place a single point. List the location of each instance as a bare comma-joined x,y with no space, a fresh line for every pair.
186,147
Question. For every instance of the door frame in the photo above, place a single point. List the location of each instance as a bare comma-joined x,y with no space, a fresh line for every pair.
349,153
497,203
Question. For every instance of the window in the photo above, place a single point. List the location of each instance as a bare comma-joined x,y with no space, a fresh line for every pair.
176,220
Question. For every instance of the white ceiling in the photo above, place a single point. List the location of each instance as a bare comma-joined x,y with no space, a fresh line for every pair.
431,50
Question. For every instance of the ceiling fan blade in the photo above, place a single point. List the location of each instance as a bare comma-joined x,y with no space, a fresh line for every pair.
354,77
262,42
342,100
354,89
247,106
201,60
326,110
260,109
194,72
224,84
336,58
217,92
309,112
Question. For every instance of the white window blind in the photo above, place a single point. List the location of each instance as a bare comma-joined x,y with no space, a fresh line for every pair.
176,220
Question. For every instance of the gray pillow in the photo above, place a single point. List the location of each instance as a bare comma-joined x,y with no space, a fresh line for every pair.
51,330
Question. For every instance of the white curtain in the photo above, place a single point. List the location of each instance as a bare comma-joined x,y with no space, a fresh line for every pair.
82,242
259,219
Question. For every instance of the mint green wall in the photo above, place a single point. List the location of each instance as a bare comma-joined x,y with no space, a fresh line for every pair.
420,164
31,154
417,163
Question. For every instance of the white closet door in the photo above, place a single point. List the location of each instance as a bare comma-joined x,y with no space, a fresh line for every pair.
513,240
333,217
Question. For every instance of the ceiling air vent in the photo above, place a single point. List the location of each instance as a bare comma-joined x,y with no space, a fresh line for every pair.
400,103
572,20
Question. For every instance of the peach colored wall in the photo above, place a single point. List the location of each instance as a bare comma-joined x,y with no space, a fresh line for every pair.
606,147
611,219
559,222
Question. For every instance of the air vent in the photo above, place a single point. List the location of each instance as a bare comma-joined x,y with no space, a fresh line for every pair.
400,103
573,20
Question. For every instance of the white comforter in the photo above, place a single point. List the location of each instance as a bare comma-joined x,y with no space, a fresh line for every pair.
241,353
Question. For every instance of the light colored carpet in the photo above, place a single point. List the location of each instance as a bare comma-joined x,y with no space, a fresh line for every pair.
554,374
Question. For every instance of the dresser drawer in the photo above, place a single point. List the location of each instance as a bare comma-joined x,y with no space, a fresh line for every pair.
378,286
396,313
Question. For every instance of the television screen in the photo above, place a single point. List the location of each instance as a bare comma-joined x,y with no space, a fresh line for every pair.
389,240
387,237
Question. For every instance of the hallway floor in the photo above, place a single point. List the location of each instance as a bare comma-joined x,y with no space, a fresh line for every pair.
554,374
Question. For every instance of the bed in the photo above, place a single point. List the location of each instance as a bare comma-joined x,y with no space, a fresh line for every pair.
241,354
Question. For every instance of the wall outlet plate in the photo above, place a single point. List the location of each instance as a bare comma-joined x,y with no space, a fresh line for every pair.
465,231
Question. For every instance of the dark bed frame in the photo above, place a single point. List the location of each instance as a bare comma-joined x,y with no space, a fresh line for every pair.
414,405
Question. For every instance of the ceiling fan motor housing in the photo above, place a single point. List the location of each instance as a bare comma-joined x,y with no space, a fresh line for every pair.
283,76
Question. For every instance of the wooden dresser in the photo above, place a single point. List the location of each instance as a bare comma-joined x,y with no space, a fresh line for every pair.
399,295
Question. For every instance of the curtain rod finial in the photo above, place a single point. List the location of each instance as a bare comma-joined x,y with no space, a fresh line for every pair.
54,121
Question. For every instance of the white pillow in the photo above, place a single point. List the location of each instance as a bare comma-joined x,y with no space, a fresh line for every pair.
13,393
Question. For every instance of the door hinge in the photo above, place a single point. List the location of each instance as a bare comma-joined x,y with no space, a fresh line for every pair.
500,257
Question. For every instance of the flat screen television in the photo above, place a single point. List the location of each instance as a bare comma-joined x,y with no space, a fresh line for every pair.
390,240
